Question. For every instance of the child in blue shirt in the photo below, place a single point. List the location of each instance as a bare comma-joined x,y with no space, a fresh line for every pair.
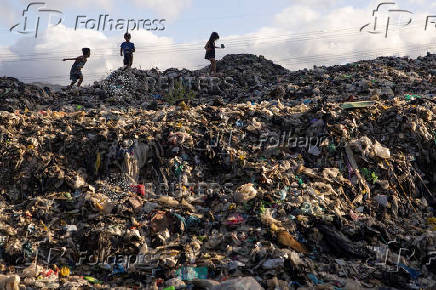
127,49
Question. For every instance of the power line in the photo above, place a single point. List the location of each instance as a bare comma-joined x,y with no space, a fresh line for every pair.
200,42
303,36
190,50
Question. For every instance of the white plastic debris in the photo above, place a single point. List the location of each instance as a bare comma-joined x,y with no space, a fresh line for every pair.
245,192
381,151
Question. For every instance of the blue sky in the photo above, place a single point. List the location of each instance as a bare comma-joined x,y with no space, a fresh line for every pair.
293,33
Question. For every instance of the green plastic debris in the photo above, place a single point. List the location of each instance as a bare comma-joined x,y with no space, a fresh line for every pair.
170,288
366,173
369,176
92,280
332,147
5,92
178,169
374,178
262,208
300,181
79,107
191,273
353,105
412,97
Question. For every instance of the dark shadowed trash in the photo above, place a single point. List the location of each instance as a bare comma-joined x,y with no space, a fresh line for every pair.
342,245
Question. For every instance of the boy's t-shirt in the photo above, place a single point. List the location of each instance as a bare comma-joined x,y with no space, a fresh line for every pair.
128,47
78,64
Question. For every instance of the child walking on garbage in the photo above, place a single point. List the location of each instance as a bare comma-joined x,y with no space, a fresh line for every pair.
210,51
127,49
76,69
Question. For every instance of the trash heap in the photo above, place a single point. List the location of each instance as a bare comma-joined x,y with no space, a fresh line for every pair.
240,78
17,95
273,193
243,75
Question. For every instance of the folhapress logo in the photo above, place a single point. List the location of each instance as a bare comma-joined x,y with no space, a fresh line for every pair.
32,16
36,14
107,23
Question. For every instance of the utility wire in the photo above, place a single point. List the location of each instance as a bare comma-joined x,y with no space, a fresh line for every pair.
248,39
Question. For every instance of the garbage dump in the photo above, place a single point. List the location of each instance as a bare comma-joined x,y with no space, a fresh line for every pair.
316,179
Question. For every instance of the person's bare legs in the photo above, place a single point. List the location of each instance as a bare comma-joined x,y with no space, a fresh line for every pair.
80,82
129,63
212,66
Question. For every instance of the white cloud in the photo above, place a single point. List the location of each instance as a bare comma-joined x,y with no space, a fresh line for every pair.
316,3
41,58
299,16
166,8
6,14
302,36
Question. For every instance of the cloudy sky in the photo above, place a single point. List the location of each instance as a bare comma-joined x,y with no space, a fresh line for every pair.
293,33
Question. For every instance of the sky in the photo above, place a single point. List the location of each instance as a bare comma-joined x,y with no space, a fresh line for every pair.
296,34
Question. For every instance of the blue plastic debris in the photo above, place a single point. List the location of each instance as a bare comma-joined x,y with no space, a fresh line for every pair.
118,269
182,219
239,123
314,279
414,274
295,283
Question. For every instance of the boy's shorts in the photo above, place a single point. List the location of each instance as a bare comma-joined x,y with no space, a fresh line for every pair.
75,75
128,59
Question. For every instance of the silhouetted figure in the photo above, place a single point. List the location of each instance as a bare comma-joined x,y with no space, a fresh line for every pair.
76,69
210,51
127,49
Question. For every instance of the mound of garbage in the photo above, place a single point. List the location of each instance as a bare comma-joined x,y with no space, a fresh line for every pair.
240,78
17,95
293,189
